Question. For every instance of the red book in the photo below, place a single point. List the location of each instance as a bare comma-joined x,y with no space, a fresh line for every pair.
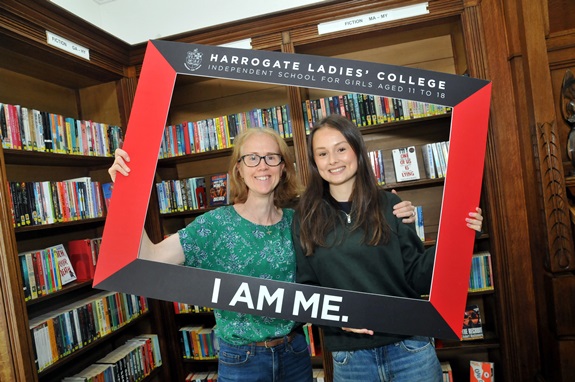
39,272
187,143
83,259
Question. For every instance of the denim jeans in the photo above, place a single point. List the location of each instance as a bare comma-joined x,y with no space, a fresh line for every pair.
411,360
286,362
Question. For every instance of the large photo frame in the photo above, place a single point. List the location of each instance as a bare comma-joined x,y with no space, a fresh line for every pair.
119,268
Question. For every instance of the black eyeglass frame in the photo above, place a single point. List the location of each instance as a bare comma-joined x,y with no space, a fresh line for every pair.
260,159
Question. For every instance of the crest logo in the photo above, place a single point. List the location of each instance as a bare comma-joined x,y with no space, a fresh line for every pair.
193,60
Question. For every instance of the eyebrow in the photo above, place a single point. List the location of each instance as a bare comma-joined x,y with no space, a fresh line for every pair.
337,144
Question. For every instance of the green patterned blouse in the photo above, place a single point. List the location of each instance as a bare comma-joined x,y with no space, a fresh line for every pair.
221,240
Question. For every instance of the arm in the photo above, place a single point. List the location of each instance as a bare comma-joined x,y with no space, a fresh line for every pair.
406,210
168,250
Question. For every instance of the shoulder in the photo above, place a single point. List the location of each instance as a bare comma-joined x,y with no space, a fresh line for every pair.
288,212
216,216
388,198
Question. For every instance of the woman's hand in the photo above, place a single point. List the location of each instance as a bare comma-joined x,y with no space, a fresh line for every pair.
120,164
358,331
404,210
475,220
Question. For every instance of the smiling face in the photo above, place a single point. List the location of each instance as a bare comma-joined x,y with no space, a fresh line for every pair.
336,161
262,179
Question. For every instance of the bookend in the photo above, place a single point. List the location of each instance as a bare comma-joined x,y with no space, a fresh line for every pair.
119,268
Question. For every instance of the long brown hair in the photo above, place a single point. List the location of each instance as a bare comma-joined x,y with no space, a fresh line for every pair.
319,212
287,189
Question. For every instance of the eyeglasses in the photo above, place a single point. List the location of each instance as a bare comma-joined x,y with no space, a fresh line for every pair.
252,160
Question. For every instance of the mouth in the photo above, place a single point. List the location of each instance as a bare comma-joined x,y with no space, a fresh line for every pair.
262,178
337,170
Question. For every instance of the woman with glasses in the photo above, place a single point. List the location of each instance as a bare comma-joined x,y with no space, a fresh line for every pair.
252,237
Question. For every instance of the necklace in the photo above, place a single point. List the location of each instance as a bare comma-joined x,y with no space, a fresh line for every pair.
348,216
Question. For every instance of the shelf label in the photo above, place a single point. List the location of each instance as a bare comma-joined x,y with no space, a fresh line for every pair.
240,44
67,45
373,18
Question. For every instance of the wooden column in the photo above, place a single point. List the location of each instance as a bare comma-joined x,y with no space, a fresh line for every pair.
15,338
484,25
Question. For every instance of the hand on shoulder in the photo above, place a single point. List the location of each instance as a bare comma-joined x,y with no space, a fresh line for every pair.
404,210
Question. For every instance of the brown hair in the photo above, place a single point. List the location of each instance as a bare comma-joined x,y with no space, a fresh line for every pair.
287,189
319,212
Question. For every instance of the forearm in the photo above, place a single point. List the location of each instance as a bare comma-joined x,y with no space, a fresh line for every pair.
168,250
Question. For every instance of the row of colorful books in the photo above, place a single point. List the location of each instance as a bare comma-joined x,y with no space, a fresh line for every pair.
23,128
435,159
376,159
481,272
183,308
367,110
132,361
190,194
218,133
182,195
199,342
45,271
63,331
202,376
48,202
318,375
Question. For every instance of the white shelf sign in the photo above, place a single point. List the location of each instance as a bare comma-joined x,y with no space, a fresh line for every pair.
373,18
67,45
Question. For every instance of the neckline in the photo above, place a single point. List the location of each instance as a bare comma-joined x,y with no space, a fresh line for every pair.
264,226
345,207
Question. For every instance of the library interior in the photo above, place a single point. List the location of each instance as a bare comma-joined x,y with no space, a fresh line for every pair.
484,86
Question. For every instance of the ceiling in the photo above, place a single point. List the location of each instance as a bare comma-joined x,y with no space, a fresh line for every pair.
136,21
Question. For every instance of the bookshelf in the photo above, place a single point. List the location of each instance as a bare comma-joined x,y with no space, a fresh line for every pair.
44,79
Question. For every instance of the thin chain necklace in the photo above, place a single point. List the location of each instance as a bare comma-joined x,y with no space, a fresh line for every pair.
348,216
346,206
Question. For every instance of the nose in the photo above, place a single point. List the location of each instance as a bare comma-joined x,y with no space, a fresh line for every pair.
262,163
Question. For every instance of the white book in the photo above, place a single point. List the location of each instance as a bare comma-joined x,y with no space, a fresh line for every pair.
428,161
405,164
67,273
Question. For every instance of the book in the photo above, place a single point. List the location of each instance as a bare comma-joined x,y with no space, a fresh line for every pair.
67,273
419,226
481,371
447,371
481,277
218,195
84,255
472,327
107,193
428,161
405,164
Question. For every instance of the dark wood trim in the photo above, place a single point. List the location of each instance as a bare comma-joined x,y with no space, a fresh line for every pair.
13,307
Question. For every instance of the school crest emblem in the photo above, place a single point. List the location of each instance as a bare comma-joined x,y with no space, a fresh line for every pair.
193,60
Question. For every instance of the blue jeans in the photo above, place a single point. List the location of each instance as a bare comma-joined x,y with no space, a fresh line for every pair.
411,360
286,362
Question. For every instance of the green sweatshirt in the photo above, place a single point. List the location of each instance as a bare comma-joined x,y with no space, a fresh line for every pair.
402,268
